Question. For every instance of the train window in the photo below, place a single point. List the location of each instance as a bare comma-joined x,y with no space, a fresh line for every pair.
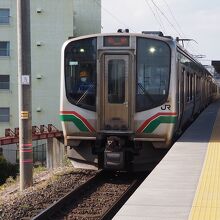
184,60
116,81
80,73
198,85
153,73
191,87
187,87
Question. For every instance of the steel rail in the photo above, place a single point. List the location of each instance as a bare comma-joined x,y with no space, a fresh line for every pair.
109,214
44,215
59,206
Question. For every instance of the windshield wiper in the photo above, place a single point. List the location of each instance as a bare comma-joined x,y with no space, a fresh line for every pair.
146,93
85,94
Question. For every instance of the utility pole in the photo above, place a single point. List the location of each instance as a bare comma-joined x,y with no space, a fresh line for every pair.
24,93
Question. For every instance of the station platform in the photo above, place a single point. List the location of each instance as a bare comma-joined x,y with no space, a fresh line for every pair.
186,183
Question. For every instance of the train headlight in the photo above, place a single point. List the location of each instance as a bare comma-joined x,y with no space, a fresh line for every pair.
152,50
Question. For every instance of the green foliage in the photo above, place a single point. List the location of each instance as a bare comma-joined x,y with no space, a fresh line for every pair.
10,180
39,169
7,169
66,161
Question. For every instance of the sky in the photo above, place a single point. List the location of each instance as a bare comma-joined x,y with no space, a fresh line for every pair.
193,19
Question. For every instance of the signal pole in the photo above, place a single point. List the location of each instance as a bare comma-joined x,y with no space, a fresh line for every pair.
24,94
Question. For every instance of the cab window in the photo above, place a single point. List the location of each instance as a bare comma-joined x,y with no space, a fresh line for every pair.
153,73
80,73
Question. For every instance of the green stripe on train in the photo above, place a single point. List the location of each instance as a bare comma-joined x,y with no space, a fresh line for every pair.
161,119
79,124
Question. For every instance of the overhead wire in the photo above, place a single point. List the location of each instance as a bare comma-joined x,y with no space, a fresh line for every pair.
170,23
113,16
191,47
194,51
161,20
156,18
188,45
174,18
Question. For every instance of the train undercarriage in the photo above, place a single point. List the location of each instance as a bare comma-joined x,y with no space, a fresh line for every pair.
115,152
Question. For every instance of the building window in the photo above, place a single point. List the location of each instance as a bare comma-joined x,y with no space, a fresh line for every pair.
4,15
4,114
4,81
4,48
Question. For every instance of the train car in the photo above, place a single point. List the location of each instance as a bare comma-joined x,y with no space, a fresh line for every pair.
122,93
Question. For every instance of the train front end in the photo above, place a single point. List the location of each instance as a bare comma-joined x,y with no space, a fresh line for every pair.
115,99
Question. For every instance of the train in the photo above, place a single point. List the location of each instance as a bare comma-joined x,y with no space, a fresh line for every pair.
125,95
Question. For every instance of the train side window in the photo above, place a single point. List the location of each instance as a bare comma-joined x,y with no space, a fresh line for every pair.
191,87
182,82
198,85
187,87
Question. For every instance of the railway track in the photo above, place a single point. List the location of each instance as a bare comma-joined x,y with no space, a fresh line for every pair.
99,198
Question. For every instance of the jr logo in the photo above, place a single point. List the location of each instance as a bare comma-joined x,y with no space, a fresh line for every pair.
165,107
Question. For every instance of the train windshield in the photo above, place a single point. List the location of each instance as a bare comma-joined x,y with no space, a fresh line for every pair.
153,73
80,73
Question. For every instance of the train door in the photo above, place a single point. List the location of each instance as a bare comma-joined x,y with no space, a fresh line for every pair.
115,101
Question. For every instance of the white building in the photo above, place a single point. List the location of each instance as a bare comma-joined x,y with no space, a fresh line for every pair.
52,22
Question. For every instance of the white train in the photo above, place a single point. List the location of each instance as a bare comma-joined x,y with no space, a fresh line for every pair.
123,93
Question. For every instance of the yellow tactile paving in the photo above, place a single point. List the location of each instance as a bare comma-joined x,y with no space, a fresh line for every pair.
206,204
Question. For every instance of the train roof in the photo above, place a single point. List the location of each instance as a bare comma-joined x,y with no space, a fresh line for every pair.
143,34
148,34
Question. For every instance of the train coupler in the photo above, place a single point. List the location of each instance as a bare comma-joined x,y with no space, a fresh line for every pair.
114,156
